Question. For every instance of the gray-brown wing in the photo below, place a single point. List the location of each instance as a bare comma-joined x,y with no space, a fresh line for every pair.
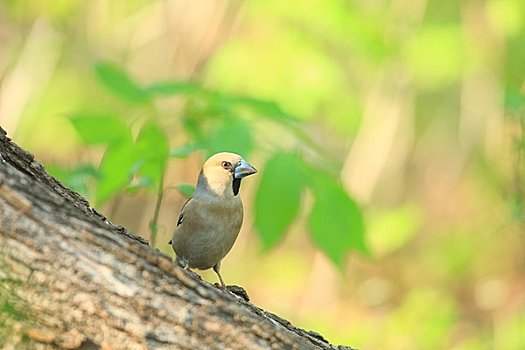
181,215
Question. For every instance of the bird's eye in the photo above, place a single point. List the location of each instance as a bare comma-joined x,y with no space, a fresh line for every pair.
226,165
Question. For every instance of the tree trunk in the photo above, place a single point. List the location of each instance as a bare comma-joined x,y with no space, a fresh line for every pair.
71,279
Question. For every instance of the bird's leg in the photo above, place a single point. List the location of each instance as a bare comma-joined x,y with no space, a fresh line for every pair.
216,268
239,291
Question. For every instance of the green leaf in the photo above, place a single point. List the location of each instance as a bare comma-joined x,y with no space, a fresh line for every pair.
234,136
185,189
152,152
77,178
116,80
115,169
99,129
278,198
173,88
138,184
514,99
267,109
182,151
391,230
441,44
336,222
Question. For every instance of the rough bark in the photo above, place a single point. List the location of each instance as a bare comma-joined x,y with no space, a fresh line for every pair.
71,279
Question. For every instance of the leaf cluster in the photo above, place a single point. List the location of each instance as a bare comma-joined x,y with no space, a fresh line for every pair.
212,121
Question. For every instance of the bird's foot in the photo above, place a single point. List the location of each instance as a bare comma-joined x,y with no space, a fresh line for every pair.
236,290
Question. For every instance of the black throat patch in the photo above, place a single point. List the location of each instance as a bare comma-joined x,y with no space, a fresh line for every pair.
236,185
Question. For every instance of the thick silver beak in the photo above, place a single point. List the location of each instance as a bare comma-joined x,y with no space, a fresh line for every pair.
243,169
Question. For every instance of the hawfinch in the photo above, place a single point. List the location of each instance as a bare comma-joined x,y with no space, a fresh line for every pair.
210,220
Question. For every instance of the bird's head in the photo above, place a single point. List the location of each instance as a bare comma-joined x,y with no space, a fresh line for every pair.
221,174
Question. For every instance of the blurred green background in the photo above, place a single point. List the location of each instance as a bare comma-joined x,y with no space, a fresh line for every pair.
390,129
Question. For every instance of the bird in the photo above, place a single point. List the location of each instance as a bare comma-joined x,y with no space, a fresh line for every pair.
210,221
